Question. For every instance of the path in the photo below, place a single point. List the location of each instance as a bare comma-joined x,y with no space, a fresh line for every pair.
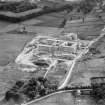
78,57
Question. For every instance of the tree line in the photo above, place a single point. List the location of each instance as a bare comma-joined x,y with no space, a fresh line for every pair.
31,89
17,6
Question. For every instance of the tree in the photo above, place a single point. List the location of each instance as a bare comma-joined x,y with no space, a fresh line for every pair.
41,79
66,17
94,51
42,92
19,84
86,7
63,23
98,92
30,89
12,95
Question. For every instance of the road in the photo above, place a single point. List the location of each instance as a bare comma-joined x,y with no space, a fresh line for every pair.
58,92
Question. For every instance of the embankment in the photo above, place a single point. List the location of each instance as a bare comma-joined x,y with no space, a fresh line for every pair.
22,16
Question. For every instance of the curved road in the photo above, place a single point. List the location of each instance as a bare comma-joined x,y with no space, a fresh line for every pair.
62,91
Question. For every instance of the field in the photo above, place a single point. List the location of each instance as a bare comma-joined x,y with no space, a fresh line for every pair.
12,44
90,65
